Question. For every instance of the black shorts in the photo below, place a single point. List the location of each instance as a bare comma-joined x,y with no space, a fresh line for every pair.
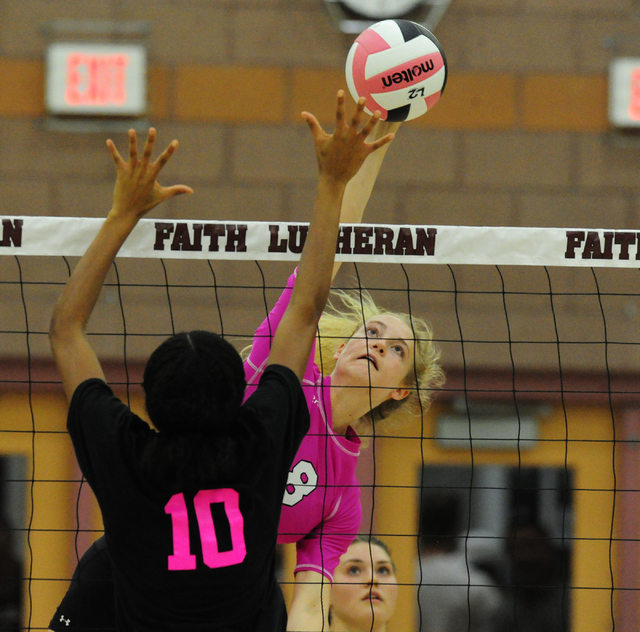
88,605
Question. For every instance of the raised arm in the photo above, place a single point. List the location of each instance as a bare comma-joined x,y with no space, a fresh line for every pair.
359,188
339,156
136,192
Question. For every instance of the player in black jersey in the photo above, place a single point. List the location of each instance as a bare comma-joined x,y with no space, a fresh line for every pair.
191,509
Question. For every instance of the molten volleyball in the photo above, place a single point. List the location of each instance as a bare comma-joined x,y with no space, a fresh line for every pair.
399,67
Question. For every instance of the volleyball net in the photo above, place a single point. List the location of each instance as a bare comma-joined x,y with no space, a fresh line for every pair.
535,425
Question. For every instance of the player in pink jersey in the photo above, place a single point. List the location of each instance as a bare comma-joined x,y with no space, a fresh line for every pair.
321,505
377,364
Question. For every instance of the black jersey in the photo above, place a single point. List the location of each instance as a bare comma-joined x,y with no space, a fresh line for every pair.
200,559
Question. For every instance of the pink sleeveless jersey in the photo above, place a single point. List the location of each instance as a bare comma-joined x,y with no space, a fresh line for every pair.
321,508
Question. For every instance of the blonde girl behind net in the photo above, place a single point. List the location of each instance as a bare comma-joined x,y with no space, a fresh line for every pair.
346,312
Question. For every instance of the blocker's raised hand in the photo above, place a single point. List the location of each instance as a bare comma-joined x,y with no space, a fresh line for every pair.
341,154
137,190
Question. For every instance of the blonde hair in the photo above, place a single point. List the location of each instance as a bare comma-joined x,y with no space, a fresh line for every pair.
348,311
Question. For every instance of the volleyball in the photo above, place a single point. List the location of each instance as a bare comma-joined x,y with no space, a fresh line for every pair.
399,67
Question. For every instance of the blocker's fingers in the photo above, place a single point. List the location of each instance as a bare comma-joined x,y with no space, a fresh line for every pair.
357,115
382,141
133,147
115,154
148,145
163,158
370,124
340,108
176,189
313,123
384,127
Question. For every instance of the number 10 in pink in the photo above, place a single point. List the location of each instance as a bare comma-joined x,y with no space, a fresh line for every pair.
182,559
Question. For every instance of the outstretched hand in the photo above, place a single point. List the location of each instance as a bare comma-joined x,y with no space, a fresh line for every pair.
137,190
342,153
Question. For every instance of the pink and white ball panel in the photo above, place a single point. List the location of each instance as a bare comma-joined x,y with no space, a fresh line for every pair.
399,67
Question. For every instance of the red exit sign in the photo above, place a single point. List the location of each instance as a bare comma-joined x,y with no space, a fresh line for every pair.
96,79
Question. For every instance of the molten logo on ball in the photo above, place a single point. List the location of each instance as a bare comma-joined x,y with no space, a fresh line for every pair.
408,75
399,67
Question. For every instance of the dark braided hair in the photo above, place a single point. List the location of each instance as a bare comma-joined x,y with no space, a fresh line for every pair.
194,384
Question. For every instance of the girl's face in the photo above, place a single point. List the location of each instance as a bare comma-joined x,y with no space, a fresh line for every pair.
380,355
365,588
